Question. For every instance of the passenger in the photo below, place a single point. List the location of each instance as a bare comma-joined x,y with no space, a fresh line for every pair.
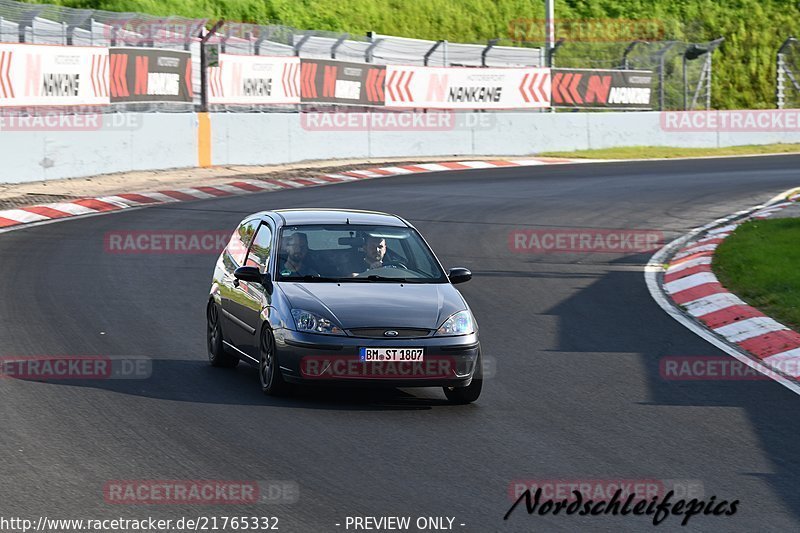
298,262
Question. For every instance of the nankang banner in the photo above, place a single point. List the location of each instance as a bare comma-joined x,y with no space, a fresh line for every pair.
241,79
42,75
612,89
150,75
467,88
342,83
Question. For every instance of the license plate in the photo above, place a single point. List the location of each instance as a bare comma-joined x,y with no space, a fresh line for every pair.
392,354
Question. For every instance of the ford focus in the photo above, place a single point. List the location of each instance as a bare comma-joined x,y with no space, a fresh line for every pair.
335,296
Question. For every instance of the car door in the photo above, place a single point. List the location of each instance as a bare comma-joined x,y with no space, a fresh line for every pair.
253,297
234,256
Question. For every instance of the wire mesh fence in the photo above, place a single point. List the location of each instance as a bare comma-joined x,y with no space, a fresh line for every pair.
682,76
787,90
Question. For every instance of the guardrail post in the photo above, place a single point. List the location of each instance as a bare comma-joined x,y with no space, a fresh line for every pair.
489,46
550,54
301,42
431,51
373,43
260,39
75,20
337,44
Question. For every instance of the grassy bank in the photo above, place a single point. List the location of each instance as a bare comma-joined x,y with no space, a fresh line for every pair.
667,152
759,262
744,68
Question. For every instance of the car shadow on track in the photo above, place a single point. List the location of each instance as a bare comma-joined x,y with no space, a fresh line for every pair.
743,410
197,382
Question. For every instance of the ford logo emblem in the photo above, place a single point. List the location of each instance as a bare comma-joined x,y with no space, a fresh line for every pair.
391,333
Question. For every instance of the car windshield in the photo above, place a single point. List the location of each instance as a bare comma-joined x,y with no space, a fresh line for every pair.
357,254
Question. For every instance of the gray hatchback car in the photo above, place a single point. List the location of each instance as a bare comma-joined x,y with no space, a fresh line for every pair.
335,296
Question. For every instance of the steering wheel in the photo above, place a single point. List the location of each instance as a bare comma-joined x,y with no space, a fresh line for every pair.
395,264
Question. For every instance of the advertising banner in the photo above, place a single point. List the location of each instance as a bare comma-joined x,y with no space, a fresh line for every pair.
614,89
150,75
241,79
42,75
467,88
342,83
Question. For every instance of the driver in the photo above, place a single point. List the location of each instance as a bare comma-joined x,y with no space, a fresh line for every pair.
297,261
373,252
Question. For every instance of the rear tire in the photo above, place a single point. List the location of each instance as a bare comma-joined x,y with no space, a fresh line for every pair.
470,393
217,355
269,370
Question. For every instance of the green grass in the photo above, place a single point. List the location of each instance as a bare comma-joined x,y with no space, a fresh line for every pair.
661,152
759,262
744,67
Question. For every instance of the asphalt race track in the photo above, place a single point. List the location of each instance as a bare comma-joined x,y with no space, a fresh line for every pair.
576,340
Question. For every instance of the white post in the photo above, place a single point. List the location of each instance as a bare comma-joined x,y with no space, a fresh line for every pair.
549,31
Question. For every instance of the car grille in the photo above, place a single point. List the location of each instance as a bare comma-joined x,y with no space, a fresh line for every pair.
378,333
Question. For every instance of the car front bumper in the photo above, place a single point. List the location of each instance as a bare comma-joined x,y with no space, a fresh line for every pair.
326,359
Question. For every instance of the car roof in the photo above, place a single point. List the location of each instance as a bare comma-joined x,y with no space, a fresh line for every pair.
293,217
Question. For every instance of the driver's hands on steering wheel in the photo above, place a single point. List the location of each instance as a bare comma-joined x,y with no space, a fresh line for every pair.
394,264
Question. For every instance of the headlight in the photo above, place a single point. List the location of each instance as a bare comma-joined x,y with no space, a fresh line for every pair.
313,323
458,324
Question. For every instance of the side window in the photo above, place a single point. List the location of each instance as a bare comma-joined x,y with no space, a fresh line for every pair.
240,240
417,252
396,249
259,250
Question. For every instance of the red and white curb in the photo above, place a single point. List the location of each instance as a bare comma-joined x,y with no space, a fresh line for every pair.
689,291
32,214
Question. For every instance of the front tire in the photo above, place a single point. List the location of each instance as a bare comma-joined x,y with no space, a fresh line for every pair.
217,355
269,371
470,393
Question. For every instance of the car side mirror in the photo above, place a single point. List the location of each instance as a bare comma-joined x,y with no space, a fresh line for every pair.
253,275
248,273
459,275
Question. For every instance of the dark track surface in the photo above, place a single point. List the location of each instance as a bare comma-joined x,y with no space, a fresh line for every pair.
576,338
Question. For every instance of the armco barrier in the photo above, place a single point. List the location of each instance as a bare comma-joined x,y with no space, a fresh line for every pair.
150,141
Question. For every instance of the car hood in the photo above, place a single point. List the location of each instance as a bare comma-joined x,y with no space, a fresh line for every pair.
390,305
